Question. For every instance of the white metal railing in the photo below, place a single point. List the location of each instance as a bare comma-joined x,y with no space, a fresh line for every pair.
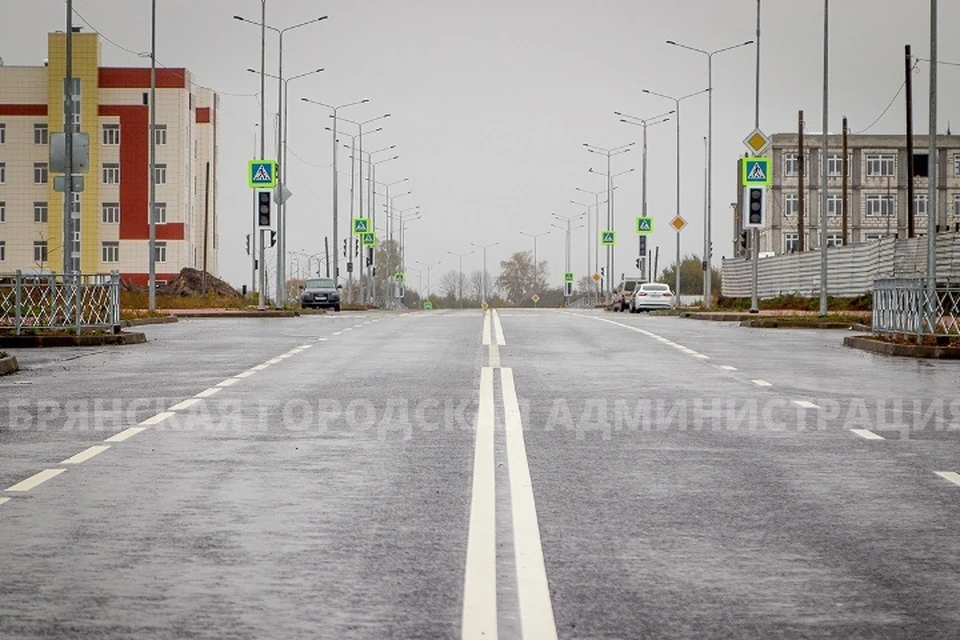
903,306
51,301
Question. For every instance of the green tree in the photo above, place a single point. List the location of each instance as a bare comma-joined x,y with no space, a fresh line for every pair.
691,277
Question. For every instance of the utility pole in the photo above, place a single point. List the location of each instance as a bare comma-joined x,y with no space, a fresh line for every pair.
932,217
68,130
755,233
844,167
801,196
911,221
823,169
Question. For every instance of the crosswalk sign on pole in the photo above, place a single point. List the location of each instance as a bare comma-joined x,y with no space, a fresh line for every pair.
644,226
369,239
361,225
757,172
568,276
262,174
608,238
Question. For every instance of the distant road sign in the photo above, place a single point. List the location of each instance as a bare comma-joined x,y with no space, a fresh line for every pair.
678,223
644,226
369,239
361,225
608,238
400,277
535,298
262,174
597,277
427,305
756,172
757,142
568,276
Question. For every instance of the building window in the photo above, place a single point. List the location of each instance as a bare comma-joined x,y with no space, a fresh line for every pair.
880,164
40,251
3,251
835,164
3,173
956,164
41,134
39,211
40,173
160,135
791,204
3,133
3,211
160,212
160,174
75,204
111,173
868,237
791,163
834,205
791,242
110,252
956,204
111,135
110,212
834,239
880,205
920,201
160,252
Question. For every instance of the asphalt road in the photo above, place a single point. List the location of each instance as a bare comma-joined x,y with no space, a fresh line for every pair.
444,474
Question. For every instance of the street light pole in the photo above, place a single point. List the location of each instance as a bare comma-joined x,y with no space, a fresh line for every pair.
534,236
566,257
484,248
707,239
596,234
335,109
461,256
609,153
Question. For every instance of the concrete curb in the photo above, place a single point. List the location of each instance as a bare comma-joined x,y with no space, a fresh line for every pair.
186,315
773,323
140,322
8,365
867,343
89,340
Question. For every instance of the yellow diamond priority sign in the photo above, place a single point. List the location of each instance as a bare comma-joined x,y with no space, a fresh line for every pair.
678,223
757,142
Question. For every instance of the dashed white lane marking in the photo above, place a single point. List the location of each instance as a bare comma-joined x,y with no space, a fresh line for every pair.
806,404
949,475
180,406
486,329
304,347
86,454
761,383
260,367
533,590
498,329
336,333
348,329
480,580
35,480
157,419
206,393
2,500
229,382
321,339
867,434
727,367
245,374
126,434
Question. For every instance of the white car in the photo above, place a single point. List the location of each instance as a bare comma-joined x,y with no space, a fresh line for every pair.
651,295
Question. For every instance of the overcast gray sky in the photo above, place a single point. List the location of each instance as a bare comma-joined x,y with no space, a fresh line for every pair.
492,101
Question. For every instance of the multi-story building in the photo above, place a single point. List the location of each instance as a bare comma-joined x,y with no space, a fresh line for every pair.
876,197
112,226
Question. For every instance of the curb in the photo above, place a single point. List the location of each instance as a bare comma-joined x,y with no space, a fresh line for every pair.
140,322
29,342
866,343
772,323
8,365
235,314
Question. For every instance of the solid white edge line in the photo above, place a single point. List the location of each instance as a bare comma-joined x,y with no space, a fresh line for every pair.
480,576
260,367
761,383
86,454
228,382
185,404
533,589
950,476
321,339
245,374
206,393
486,329
806,404
867,434
501,340
157,419
304,347
35,480
126,434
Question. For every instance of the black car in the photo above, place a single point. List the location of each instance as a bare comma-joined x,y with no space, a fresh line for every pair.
320,293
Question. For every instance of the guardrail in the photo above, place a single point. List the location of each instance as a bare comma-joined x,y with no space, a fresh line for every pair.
904,307
51,301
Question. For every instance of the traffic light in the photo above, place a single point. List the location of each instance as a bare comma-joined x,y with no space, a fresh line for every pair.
263,208
248,244
637,262
602,271
753,202
743,240
273,238
369,256
643,246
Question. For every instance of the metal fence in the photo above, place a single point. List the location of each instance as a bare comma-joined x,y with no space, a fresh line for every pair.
50,301
904,307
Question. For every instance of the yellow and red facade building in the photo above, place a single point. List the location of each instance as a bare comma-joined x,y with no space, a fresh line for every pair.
113,208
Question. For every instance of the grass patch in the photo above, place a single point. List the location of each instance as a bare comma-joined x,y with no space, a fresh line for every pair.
138,301
798,303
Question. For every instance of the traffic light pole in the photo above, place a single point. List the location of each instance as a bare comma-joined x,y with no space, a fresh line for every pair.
261,302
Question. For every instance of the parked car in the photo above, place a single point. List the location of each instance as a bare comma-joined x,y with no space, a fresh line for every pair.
621,298
651,295
320,293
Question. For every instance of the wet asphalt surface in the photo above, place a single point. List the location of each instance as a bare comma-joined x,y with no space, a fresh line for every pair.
692,480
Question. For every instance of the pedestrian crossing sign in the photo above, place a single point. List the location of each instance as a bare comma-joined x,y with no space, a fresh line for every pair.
361,225
262,174
369,239
568,276
608,238
756,172
644,226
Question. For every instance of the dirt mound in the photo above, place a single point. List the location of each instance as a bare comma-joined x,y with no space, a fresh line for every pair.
190,282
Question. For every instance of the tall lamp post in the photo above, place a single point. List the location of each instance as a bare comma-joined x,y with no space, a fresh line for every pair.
335,109
610,203
645,123
534,236
609,153
676,102
707,239
566,253
593,236
403,233
461,256
484,247
428,267
373,211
